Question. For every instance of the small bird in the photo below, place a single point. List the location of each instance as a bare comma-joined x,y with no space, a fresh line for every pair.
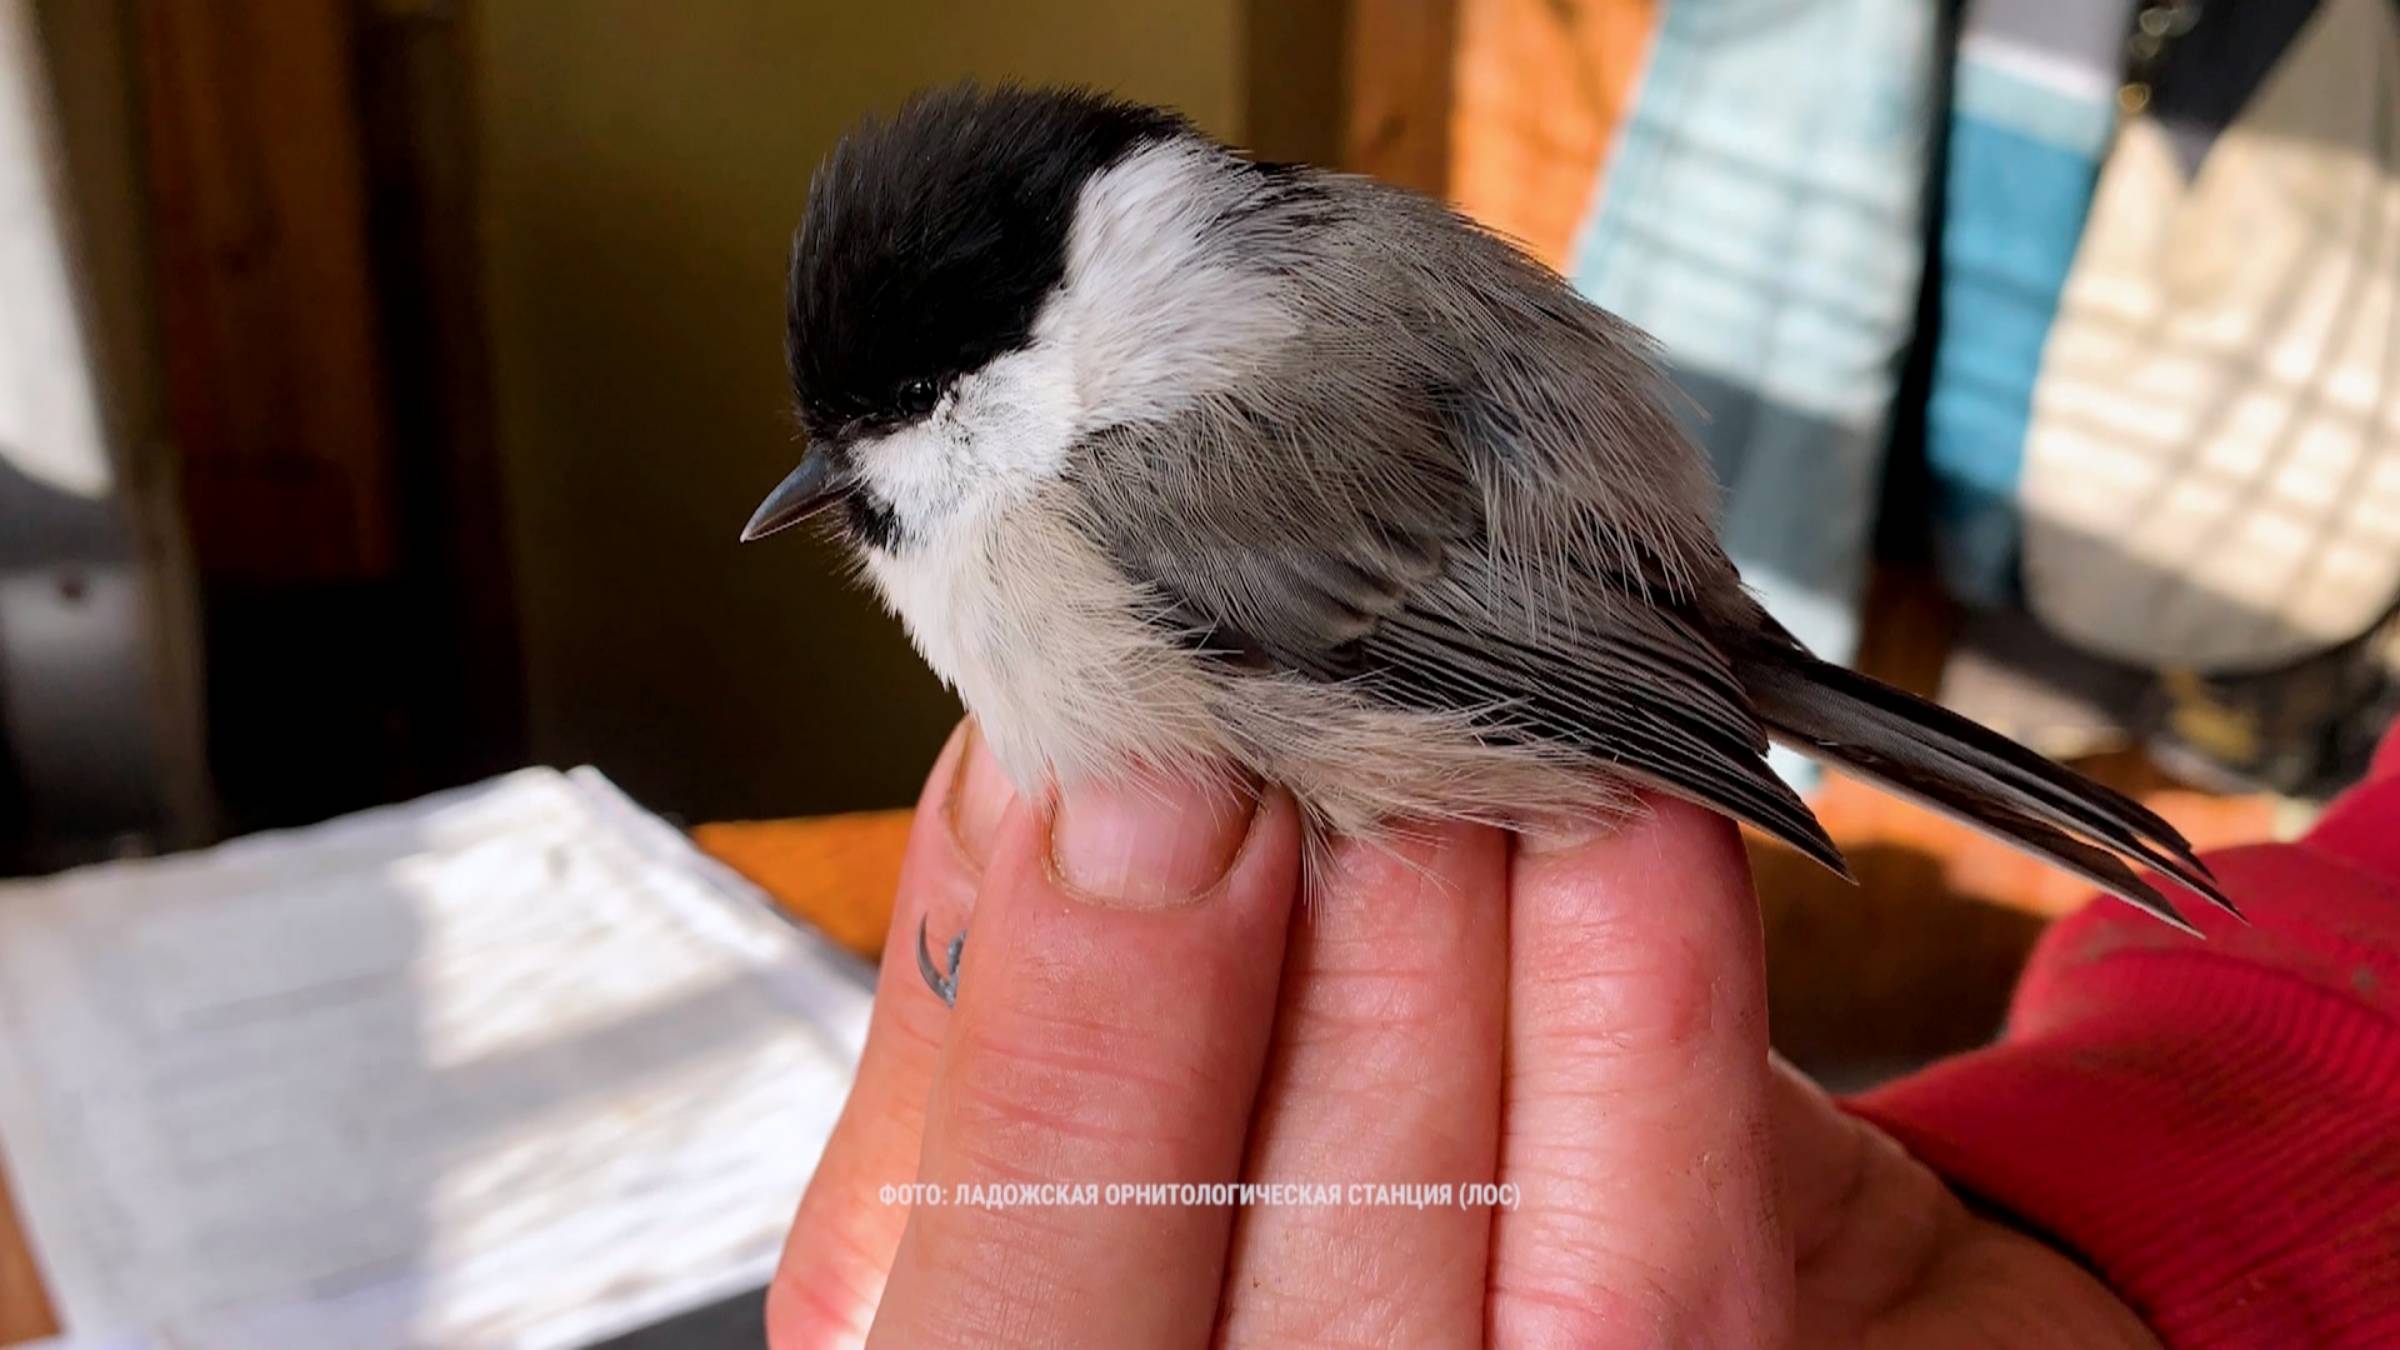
1176,460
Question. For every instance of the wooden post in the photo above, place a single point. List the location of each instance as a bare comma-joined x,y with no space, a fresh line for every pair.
265,301
1506,107
1403,56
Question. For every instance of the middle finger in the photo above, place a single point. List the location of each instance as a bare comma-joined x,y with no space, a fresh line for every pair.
1385,1074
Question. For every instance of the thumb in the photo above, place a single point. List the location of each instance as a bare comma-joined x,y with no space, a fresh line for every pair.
841,1242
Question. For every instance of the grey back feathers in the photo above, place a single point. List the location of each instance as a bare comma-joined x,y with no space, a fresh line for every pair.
1299,473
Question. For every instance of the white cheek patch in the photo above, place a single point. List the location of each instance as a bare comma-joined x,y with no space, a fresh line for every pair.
910,471
1015,419
999,433
1154,311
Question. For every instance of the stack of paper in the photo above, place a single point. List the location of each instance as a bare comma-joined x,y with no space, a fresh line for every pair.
512,1065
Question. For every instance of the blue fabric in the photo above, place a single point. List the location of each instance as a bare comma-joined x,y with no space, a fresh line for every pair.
2031,116
1761,216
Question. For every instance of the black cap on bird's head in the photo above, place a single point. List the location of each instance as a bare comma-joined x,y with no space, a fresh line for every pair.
930,241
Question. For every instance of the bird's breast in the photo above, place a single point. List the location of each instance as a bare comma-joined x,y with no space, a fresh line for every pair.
1045,642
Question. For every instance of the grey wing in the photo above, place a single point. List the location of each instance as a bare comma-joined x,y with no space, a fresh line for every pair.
1291,546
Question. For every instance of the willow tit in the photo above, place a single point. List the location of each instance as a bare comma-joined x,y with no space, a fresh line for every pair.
1172,459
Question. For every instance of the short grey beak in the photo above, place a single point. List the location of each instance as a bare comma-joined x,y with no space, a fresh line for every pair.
794,499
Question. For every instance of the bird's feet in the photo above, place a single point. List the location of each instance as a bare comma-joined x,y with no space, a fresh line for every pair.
941,979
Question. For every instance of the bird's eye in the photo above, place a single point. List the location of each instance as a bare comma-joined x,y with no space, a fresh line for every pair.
919,396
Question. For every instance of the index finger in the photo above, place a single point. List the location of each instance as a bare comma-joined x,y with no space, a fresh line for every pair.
1112,1020
1635,1115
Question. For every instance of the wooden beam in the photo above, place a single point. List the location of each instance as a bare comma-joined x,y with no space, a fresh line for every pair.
1540,89
1506,107
1294,58
1399,78
266,305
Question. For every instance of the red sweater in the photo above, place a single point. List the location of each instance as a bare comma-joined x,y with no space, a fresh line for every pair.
2214,1127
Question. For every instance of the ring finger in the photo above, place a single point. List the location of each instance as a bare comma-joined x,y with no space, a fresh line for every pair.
1383,1084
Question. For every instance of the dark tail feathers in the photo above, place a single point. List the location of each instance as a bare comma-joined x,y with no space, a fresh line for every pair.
1934,756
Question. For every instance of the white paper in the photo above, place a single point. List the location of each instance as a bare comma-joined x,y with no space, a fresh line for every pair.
513,1065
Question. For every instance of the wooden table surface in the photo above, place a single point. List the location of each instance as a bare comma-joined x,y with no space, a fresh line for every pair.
1916,961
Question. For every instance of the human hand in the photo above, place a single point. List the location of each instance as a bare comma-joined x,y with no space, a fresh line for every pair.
1581,1021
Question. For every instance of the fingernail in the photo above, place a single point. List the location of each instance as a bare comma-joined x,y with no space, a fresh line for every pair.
980,794
1148,841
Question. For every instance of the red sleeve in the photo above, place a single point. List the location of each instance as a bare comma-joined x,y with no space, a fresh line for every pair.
2213,1126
